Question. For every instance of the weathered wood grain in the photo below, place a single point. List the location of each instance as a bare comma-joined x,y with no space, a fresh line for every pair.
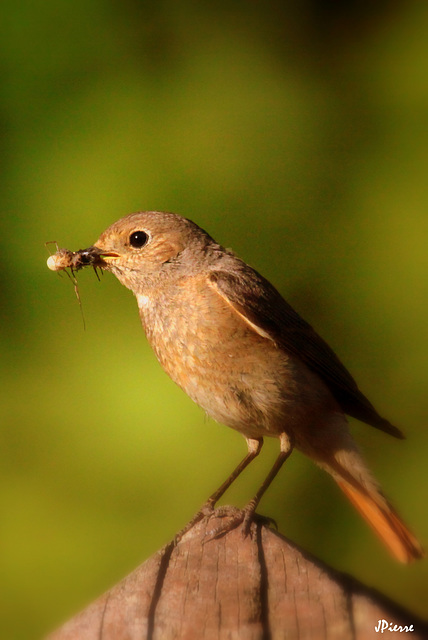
262,587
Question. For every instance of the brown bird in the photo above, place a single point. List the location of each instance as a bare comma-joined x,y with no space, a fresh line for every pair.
226,336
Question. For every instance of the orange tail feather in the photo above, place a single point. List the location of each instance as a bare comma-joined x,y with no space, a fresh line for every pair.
385,522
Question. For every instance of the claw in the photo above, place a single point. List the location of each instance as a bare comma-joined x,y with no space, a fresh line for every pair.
206,511
235,518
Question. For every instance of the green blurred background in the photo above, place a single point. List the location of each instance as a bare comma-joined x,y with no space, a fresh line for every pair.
294,132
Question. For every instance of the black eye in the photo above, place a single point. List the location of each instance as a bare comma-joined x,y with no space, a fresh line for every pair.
138,239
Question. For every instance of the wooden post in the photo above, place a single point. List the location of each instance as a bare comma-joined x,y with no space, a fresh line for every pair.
262,587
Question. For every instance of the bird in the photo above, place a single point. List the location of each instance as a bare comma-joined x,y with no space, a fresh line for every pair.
229,339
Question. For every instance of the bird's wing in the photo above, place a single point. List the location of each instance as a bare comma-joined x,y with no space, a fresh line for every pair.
266,312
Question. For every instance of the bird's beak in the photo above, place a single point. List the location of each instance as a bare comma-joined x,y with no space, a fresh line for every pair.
109,256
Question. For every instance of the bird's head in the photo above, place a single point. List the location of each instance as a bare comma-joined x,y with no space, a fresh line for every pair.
145,248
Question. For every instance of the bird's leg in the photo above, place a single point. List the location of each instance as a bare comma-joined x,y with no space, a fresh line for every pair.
246,515
286,448
254,446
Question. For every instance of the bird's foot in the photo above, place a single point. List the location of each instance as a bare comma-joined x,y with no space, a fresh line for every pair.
235,517
206,511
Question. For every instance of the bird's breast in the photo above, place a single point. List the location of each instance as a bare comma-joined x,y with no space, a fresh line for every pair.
239,377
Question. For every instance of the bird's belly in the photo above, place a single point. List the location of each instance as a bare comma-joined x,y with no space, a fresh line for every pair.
238,377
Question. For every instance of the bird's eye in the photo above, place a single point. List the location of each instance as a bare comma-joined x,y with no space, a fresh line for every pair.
138,239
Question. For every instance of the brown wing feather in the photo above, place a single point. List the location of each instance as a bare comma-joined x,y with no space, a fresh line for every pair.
260,304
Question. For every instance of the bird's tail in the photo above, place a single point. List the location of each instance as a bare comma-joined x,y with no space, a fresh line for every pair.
354,479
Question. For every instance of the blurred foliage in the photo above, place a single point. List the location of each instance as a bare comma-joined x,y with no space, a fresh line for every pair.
294,132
